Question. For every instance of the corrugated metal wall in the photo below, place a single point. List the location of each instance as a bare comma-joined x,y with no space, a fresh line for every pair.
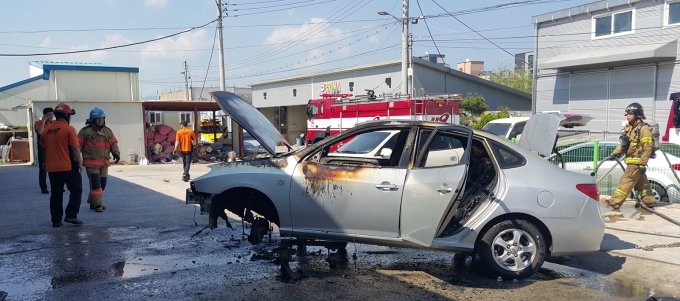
426,80
617,87
93,85
124,119
20,96
281,93
433,81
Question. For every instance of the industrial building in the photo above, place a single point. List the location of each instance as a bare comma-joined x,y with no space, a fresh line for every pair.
82,86
597,58
284,101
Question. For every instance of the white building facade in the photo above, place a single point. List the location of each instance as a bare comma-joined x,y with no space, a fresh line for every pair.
597,58
82,86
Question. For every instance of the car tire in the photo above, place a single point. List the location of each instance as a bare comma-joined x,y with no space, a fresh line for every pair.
512,249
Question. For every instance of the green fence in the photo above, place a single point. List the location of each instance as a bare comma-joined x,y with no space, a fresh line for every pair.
583,157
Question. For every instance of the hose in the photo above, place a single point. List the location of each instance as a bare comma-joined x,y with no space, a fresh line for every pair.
638,201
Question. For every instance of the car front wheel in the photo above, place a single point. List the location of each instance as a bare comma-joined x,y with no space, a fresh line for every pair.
512,249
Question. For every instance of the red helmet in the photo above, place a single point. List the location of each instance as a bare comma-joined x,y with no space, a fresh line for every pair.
64,108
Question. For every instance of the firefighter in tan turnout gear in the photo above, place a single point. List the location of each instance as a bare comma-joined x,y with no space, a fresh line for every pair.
97,141
637,144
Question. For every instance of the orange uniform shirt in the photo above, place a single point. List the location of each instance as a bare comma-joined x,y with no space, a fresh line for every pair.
57,140
36,125
184,137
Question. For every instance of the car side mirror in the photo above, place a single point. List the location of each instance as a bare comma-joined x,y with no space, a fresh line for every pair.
385,152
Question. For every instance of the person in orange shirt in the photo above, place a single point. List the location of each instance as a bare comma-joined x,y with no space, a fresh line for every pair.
64,165
185,141
39,126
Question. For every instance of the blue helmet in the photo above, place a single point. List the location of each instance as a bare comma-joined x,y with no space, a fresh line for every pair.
97,113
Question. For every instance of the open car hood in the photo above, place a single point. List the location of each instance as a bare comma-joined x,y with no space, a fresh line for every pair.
540,132
251,120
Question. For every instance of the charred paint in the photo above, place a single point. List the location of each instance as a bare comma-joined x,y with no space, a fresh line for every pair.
328,179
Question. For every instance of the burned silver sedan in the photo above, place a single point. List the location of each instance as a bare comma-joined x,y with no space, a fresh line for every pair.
430,185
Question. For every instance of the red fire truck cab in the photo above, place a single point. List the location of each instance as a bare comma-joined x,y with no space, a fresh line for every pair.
333,113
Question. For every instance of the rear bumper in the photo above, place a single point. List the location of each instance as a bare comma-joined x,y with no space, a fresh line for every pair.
579,235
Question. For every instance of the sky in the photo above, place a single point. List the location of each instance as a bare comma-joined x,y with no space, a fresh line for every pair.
263,39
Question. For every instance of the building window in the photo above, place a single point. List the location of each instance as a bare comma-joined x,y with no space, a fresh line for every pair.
154,117
530,63
673,13
185,117
433,59
618,23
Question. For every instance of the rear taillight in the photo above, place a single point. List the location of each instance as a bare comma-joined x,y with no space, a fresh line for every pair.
676,166
590,190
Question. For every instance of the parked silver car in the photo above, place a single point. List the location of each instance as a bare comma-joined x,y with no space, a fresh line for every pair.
444,187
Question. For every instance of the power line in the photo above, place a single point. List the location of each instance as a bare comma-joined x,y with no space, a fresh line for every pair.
428,31
272,6
106,48
316,28
470,28
280,9
200,96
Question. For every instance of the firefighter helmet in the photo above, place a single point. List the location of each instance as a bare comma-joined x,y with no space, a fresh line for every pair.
65,109
636,109
97,113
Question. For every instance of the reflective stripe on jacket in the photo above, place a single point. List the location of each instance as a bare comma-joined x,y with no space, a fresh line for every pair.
96,145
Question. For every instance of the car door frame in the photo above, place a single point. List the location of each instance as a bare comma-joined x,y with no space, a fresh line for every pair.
420,155
331,232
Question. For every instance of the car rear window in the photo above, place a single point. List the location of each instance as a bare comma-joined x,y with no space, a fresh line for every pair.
507,158
498,129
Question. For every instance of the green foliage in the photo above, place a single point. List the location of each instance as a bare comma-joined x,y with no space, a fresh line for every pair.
503,112
473,105
506,75
467,120
22,127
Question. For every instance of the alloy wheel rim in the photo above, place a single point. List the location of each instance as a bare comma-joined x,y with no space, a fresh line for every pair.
513,250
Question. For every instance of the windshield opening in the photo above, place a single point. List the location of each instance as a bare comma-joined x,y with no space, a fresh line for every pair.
363,143
498,129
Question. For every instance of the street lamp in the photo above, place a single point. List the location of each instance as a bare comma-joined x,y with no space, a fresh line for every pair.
405,49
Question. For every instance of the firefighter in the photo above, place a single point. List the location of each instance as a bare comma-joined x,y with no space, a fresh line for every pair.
63,164
97,141
637,144
39,126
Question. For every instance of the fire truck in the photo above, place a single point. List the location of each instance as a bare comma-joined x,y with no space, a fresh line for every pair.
333,113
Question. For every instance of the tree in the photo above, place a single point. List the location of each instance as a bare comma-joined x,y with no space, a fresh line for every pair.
503,112
506,75
473,105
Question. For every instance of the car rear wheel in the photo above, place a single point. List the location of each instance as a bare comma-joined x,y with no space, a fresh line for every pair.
512,249
660,193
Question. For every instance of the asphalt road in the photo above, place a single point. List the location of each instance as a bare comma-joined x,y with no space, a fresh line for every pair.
146,246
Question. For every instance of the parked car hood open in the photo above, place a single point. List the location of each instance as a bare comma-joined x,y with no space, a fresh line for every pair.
251,120
540,132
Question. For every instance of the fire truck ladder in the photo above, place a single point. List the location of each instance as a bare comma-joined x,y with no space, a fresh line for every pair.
419,108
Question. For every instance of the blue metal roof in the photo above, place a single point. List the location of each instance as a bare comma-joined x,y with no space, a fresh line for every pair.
47,66
72,66
26,81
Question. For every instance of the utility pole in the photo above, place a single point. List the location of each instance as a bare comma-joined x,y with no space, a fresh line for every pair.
404,50
411,85
219,33
186,80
